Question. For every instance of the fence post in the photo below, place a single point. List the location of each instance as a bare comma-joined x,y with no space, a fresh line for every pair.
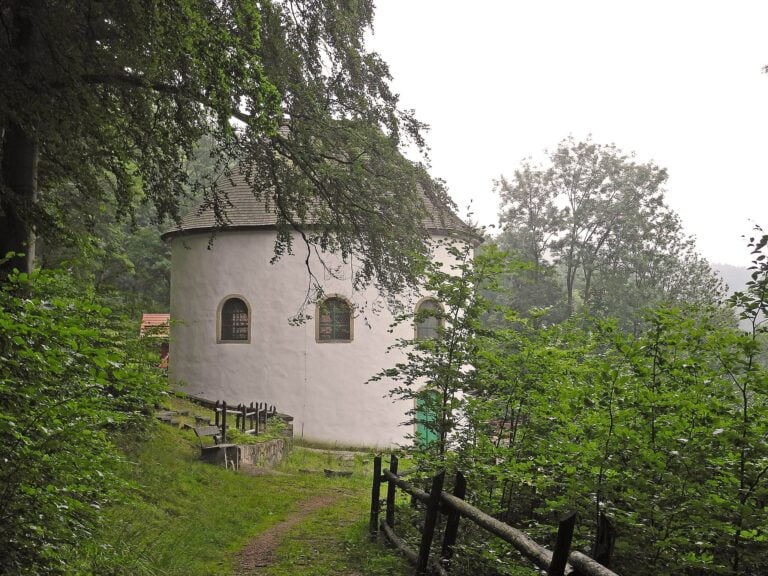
452,524
604,541
373,527
216,412
562,545
223,421
243,411
430,521
393,462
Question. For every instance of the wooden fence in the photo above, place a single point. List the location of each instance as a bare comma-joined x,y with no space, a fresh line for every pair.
256,415
558,562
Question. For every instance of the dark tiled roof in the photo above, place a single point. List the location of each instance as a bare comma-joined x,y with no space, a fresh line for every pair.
248,211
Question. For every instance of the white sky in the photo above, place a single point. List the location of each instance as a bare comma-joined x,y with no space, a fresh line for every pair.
677,82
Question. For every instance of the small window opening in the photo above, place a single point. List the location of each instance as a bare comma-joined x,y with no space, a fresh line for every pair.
428,319
234,320
335,321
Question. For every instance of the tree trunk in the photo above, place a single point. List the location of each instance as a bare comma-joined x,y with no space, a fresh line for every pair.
19,176
588,284
19,149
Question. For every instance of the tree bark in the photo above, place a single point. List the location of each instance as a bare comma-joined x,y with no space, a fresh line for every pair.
19,174
19,150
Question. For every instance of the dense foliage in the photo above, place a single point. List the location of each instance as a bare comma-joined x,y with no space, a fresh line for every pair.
435,372
72,375
593,224
107,100
661,431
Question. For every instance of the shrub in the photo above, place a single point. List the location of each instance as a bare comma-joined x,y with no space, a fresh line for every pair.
70,378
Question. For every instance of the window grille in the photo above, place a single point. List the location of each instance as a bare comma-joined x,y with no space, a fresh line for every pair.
335,322
234,320
428,319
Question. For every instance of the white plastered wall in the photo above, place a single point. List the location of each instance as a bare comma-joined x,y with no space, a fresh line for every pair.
322,385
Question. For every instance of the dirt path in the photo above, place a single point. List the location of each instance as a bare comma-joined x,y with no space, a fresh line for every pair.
260,551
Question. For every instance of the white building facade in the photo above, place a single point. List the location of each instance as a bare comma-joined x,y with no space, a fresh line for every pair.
231,338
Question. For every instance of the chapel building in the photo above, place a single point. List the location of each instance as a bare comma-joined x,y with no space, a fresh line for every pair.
231,338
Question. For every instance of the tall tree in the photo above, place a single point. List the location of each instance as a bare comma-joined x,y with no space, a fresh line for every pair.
531,222
531,216
101,95
600,216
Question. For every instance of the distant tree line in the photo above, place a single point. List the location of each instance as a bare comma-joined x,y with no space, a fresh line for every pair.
593,226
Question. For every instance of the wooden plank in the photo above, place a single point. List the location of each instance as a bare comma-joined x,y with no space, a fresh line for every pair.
393,462
420,495
587,566
223,422
399,543
539,555
523,543
452,524
605,540
336,473
520,540
373,526
207,431
430,522
562,545
403,547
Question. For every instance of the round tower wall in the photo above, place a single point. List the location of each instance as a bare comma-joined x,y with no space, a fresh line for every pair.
321,384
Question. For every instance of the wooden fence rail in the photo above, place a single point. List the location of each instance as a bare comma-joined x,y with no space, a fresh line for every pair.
256,416
559,562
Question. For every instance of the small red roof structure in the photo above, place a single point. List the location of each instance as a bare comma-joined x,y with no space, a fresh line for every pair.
155,325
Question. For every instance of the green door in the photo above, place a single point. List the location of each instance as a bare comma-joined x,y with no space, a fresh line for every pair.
426,417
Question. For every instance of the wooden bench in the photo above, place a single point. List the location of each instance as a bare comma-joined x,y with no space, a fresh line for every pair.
228,454
212,431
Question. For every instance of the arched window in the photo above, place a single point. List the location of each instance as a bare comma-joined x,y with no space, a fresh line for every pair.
334,322
235,326
428,319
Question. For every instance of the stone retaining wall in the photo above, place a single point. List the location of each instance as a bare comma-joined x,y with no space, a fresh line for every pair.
263,455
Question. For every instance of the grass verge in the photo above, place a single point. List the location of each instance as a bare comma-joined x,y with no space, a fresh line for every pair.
334,542
184,517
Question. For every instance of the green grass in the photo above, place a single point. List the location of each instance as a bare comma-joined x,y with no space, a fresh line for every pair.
334,541
321,445
188,518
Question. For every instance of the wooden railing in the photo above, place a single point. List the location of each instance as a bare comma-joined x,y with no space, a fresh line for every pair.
256,416
558,562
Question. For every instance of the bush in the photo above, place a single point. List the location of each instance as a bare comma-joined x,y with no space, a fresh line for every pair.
70,379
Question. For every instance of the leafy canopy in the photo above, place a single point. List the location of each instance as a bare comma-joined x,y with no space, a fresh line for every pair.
594,219
659,432
110,98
